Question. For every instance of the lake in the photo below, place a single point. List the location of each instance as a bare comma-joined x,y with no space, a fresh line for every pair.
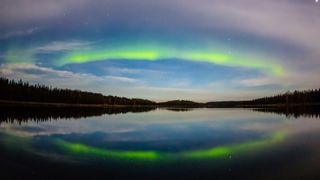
159,143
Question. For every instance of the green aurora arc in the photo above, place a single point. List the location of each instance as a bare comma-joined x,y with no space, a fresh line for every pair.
148,52
214,152
152,54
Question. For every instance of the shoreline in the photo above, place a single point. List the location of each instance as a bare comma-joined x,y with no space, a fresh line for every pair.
9,103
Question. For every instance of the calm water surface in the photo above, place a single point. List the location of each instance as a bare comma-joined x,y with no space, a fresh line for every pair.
158,143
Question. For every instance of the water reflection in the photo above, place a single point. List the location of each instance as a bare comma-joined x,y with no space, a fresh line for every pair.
176,109
293,111
160,143
23,114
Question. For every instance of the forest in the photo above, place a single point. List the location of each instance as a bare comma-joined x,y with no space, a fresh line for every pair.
22,91
306,97
12,90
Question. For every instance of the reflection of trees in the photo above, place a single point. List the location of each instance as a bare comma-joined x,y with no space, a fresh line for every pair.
24,114
293,111
180,103
179,109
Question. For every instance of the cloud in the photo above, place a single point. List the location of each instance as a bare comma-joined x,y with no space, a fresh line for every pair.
13,12
28,54
125,86
291,81
282,32
31,71
195,94
260,81
64,46
121,79
293,21
135,71
38,74
19,33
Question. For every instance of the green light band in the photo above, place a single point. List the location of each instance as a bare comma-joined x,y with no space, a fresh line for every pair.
215,152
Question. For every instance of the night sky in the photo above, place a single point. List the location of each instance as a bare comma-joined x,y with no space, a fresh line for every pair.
200,50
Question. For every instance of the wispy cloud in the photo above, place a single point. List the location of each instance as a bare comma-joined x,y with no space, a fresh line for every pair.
47,75
119,85
19,33
137,71
280,32
260,81
63,46
13,12
26,71
121,79
28,54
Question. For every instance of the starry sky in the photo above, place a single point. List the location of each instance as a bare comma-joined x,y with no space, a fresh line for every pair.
202,50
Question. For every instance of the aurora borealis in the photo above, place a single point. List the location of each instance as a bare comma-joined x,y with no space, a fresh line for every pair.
213,152
162,50
213,58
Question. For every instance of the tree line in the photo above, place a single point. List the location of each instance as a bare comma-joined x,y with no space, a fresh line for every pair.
295,97
289,98
22,91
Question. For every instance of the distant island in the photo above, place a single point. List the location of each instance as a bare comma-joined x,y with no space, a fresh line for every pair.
14,93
